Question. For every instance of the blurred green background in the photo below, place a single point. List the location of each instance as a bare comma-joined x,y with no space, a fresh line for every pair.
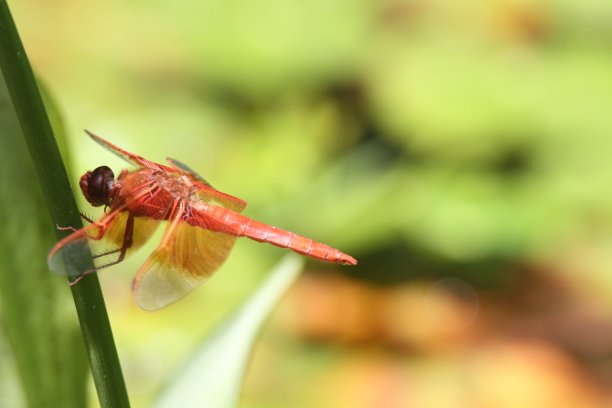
460,150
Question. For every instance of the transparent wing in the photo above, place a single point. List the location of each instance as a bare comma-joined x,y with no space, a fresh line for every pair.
131,158
187,170
212,196
106,239
187,257
207,192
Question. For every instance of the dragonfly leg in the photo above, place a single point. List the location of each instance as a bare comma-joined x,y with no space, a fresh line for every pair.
86,218
125,245
83,216
66,228
80,277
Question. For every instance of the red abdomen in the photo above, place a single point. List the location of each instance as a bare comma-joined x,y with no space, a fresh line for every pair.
224,220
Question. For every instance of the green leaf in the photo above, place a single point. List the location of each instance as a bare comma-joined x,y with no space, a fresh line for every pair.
25,311
37,318
214,374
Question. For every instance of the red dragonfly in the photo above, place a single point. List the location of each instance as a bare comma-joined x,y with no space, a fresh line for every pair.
202,225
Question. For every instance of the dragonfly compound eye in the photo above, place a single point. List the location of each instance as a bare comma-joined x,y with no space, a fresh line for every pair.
97,185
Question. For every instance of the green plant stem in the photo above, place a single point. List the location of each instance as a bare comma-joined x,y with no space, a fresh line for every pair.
53,178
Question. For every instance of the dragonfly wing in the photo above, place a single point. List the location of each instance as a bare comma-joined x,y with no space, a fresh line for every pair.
206,191
69,256
129,157
105,239
186,257
211,196
187,170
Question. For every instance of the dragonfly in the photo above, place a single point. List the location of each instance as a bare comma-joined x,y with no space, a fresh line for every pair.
201,226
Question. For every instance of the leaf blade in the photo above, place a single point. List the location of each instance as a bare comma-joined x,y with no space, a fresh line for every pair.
51,175
201,383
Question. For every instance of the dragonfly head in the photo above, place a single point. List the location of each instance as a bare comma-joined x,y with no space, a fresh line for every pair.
97,186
